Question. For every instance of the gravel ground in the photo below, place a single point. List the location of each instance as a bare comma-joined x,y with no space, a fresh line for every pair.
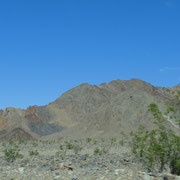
90,159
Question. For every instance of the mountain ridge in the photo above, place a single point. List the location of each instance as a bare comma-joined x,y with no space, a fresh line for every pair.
91,110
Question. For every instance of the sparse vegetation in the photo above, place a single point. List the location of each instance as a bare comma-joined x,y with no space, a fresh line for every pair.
33,153
61,147
168,90
12,154
35,144
121,142
3,143
157,149
94,141
172,113
20,142
69,145
61,153
171,109
77,148
178,93
113,140
102,139
156,112
178,121
88,140
100,151
11,143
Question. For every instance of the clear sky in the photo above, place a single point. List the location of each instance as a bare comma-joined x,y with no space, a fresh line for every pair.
50,46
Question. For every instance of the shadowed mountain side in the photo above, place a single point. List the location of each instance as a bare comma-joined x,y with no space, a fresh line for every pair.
92,111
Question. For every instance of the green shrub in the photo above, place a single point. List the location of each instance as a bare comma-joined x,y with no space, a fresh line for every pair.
156,112
88,140
171,109
11,143
113,140
61,147
34,144
69,145
178,93
33,153
153,107
102,139
77,148
94,141
100,151
3,143
121,142
178,121
61,153
157,149
12,154
168,90
21,142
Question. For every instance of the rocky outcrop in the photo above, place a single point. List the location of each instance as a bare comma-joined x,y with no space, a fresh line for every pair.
31,114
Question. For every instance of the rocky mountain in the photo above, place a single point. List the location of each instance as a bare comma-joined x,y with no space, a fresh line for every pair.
88,110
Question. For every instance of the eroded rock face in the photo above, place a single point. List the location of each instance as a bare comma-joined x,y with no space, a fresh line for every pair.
3,120
38,118
31,115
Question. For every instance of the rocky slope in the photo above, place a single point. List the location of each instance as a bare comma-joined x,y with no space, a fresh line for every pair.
104,110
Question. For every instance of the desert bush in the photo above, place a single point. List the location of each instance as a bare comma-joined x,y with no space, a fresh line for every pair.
34,144
154,109
12,154
94,141
69,145
88,140
121,142
97,151
168,90
178,93
3,143
178,121
100,151
171,109
77,148
33,153
61,147
102,139
113,140
157,149
61,153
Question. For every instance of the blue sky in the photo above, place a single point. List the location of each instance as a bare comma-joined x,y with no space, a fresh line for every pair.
48,47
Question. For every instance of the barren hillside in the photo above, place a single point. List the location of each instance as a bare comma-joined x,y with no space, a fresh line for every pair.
87,110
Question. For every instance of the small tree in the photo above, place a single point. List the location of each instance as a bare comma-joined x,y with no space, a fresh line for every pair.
159,148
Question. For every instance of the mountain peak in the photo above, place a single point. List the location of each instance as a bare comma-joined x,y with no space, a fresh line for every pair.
87,109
